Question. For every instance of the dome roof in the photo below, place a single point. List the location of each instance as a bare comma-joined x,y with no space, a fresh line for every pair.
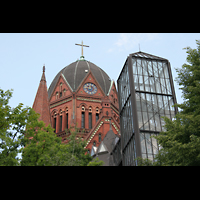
76,72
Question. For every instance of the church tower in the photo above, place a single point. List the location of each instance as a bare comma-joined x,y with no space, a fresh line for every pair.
83,95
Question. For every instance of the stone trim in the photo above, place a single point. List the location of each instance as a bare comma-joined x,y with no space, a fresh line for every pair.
57,104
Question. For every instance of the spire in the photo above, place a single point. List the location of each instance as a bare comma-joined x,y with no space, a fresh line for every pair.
41,102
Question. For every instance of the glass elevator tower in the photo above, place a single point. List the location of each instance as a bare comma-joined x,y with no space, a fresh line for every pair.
146,93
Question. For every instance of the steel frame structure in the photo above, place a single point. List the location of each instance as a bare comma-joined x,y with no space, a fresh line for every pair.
146,93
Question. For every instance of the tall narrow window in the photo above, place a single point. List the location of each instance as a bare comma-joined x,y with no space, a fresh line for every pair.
97,117
60,122
99,137
67,121
90,120
83,120
54,124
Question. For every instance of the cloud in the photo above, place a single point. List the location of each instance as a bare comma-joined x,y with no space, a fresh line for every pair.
127,41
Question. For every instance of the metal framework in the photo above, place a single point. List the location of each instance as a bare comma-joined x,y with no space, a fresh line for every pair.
146,93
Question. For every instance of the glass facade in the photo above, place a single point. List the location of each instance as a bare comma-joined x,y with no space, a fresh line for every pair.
146,93
154,99
126,115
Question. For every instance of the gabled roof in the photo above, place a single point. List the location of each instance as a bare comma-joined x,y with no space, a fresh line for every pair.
93,150
141,54
102,148
108,140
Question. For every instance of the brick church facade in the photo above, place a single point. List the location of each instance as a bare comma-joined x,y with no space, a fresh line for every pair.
81,95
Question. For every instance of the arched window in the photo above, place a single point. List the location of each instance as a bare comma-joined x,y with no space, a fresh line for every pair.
67,119
83,117
99,137
54,124
97,114
90,117
88,151
60,128
94,143
56,95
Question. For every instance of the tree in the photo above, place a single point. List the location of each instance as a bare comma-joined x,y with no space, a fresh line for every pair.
40,143
95,162
181,140
74,154
44,148
12,127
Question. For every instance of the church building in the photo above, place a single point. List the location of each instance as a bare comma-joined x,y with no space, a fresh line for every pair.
81,95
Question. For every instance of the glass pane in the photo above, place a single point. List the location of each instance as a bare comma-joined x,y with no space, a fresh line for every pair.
152,84
148,143
157,85
141,84
155,146
149,68
152,124
139,69
145,117
140,123
166,70
159,67
134,66
145,71
138,104
144,155
168,86
160,104
146,125
150,157
142,140
157,121
146,84
163,86
161,70
135,77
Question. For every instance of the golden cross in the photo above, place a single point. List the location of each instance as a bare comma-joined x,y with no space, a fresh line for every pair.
82,47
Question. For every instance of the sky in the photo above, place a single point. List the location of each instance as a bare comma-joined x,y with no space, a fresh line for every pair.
22,56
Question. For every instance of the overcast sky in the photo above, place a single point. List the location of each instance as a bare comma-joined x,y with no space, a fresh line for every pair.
22,56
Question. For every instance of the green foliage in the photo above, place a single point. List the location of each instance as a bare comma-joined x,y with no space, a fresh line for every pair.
46,149
21,132
96,162
181,141
143,162
12,127
41,143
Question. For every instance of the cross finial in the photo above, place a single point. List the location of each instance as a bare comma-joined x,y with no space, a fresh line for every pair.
82,45
43,67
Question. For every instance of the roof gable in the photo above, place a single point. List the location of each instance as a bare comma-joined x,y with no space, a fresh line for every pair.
90,79
65,87
141,54
93,150
102,148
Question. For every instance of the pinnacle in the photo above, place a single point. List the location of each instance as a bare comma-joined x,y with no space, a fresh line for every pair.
43,78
